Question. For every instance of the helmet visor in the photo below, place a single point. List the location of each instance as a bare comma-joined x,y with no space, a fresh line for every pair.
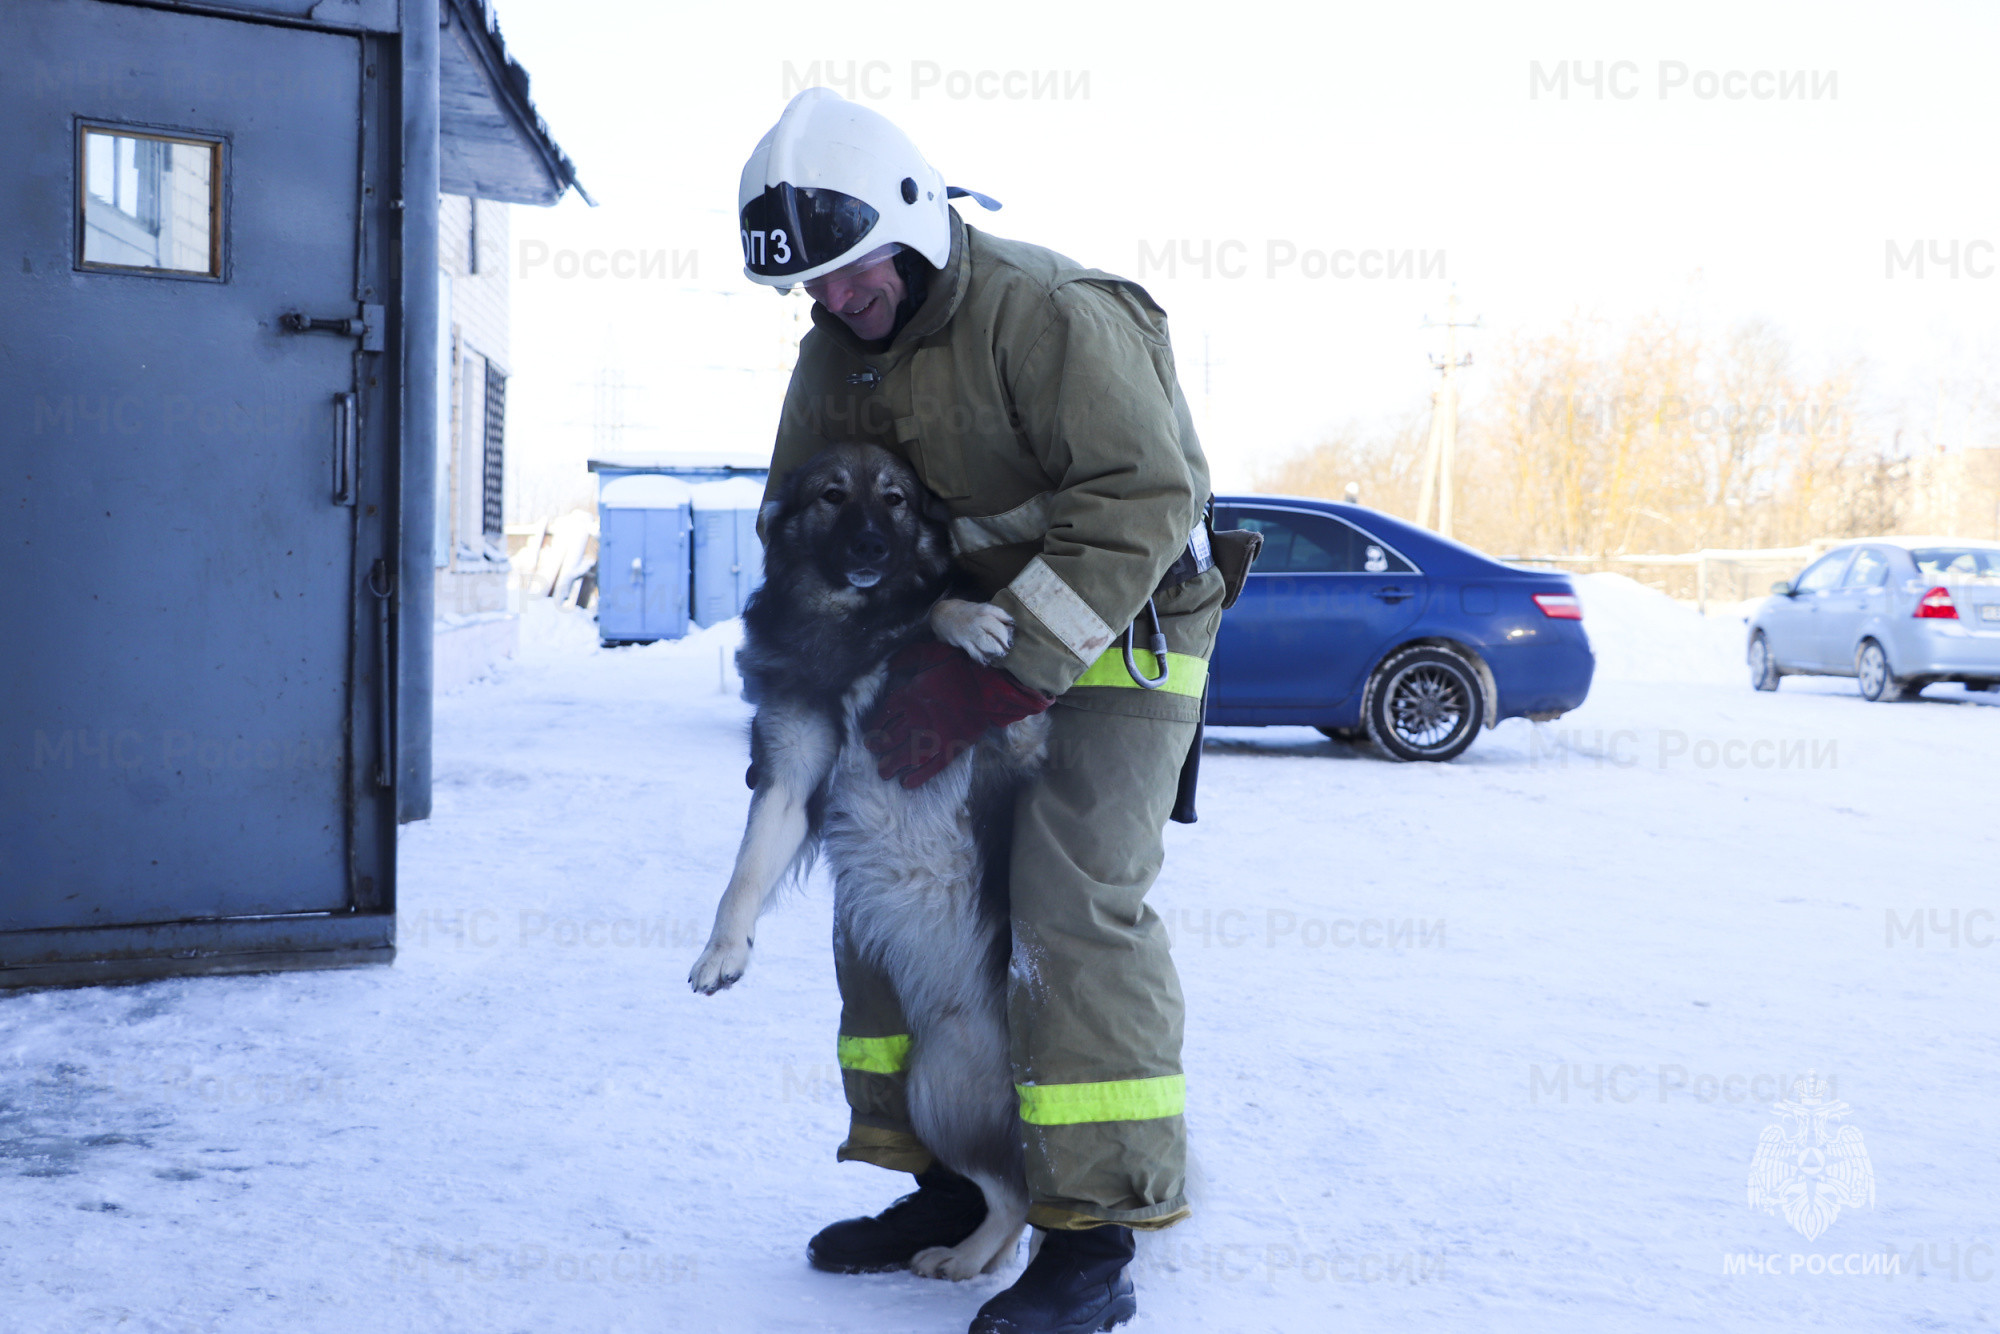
789,229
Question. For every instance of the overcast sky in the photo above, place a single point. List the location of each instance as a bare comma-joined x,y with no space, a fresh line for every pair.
1436,131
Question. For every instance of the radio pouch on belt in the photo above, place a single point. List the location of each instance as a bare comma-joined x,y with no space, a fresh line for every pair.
1235,551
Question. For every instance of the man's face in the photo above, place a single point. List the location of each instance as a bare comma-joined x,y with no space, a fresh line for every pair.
863,294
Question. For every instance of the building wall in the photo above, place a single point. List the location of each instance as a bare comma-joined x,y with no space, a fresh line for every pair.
479,299
471,586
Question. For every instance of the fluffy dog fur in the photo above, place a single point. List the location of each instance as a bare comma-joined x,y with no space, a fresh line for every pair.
856,563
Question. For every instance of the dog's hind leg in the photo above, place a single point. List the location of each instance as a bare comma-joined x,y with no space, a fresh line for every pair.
965,1108
990,1243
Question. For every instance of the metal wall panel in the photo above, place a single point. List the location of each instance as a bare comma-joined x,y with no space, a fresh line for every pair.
728,558
668,584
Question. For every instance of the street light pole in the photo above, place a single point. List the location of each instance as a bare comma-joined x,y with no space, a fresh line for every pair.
1440,456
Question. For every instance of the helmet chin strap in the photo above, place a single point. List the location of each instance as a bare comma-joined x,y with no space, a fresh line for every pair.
915,271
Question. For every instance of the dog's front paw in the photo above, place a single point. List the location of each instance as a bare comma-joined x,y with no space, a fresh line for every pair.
719,966
983,630
944,1262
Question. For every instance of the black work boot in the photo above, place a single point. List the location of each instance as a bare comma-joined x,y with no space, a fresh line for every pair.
1076,1284
943,1211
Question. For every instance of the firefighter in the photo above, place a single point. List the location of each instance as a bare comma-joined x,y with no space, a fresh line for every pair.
1037,398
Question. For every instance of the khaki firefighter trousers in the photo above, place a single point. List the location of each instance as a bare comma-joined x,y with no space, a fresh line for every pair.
1094,1009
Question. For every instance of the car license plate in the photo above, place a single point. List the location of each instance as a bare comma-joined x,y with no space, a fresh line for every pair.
1990,611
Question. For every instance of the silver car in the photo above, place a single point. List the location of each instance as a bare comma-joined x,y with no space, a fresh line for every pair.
1895,613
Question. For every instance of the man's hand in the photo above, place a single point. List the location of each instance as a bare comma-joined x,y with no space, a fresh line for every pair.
939,704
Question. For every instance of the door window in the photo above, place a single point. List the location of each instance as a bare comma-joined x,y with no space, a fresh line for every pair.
1299,543
1823,573
1870,570
149,202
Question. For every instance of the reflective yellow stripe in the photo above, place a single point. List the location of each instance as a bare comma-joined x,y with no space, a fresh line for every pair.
1186,674
1112,1100
878,1056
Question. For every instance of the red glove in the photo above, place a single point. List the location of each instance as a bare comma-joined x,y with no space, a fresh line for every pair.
938,705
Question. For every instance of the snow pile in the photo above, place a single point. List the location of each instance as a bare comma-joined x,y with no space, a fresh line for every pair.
551,630
715,646
721,638
1641,634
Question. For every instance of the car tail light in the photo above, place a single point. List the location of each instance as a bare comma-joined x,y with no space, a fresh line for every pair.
1937,605
1560,606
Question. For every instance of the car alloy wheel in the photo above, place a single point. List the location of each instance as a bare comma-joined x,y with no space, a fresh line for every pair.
1424,704
1763,671
1871,670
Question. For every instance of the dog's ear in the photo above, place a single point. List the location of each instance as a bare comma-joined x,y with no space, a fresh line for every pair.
932,508
789,494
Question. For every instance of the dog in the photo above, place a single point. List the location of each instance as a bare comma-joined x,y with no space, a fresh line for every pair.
857,566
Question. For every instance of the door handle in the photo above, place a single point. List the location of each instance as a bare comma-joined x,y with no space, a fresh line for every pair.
368,328
1394,594
346,433
638,570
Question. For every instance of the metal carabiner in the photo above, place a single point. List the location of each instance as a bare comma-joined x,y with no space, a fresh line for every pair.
1157,642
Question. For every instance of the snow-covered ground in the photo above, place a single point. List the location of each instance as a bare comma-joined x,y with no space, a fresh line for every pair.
1482,1046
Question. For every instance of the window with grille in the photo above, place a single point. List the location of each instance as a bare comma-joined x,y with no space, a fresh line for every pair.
491,509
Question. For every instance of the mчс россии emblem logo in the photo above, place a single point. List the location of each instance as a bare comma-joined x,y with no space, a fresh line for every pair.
1805,1167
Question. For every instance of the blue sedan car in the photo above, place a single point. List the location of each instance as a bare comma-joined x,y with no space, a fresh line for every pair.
1360,624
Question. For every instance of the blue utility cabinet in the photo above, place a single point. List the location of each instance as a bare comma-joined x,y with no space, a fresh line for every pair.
728,558
643,548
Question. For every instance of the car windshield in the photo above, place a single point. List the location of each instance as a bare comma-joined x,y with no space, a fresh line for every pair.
1958,563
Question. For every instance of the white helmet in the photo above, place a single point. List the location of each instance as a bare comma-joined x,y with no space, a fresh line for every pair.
832,182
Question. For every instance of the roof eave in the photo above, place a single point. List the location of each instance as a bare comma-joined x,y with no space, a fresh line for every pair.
525,165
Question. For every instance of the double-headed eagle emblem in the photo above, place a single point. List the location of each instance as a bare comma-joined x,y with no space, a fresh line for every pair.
1807,1168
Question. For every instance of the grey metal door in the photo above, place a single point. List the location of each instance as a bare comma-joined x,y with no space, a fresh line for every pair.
195,492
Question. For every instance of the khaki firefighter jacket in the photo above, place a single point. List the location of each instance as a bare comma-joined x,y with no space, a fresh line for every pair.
1038,399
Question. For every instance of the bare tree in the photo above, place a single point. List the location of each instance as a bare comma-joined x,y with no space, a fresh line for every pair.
1593,440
